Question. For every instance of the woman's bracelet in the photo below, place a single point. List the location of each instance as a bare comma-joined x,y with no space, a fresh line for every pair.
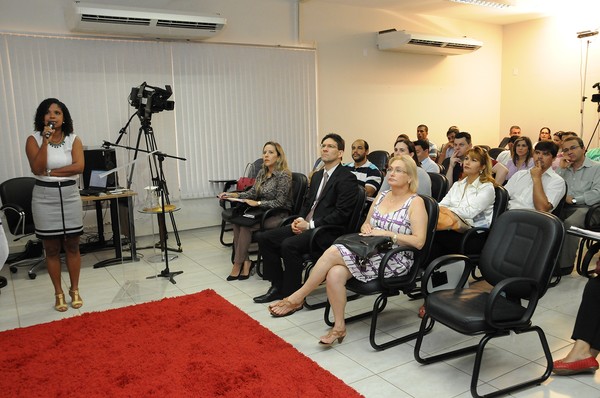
395,238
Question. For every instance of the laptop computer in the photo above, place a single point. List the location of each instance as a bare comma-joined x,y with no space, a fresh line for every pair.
97,184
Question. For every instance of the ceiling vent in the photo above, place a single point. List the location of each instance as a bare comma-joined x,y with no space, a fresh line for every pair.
417,43
141,22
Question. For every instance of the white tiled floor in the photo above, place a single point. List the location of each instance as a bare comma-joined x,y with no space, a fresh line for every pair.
389,373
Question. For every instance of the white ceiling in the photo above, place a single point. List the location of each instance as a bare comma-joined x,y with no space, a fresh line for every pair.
522,11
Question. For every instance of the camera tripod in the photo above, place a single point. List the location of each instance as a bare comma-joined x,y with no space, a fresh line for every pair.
158,180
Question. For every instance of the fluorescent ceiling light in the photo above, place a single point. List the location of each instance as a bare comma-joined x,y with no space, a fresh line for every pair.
488,3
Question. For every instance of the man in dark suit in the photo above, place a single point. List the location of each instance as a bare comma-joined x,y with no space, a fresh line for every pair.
330,201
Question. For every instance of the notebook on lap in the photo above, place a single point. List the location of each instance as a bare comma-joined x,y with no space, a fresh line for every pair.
97,184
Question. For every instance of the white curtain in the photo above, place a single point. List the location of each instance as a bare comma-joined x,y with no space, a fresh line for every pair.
229,100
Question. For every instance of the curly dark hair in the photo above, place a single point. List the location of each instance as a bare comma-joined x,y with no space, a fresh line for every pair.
38,121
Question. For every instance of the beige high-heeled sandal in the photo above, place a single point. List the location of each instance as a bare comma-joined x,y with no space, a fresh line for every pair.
59,303
332,336
76,301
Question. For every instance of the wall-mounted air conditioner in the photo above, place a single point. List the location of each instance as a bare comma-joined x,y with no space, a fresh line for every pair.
141,22
403,41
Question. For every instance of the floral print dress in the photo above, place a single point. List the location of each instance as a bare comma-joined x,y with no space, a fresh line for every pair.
400,263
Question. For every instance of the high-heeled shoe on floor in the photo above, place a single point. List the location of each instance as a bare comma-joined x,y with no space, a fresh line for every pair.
332,336
234,277
243,277
76,301
59,303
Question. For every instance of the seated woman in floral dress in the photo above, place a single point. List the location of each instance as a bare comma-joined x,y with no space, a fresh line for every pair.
398,213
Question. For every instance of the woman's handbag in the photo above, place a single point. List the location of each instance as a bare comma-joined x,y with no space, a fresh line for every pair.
246,215
364,247
450,221
246,182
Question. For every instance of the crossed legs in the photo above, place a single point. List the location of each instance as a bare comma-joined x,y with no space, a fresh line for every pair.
329,267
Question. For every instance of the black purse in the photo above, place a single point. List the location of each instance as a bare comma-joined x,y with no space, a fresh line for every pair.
364,247
246,215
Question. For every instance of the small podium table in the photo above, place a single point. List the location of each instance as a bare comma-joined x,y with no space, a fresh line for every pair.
114,219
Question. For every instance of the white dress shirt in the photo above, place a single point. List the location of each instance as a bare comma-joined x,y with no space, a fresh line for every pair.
473,202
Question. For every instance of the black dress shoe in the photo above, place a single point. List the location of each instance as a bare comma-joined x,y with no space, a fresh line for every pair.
271,295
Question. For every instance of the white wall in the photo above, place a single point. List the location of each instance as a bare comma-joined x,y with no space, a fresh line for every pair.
542,67
376,95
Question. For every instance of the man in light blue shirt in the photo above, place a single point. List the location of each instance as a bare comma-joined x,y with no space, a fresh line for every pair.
582,176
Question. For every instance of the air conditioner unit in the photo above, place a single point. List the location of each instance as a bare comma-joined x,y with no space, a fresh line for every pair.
141,22
403,41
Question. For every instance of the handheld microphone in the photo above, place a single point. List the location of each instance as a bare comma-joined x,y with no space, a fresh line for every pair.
47,134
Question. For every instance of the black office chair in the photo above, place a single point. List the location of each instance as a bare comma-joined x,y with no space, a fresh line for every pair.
251,171
380,159
439,186
16,196
517,261
353,225
494,152
388,287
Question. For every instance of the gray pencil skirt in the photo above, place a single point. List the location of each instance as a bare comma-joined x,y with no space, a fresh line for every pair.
57,210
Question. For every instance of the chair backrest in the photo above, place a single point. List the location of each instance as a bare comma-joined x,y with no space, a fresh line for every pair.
422,256
500,203
446,164
380,159
522,243
557,211
299,187
439,186
494,152
253,168
18,191
356,218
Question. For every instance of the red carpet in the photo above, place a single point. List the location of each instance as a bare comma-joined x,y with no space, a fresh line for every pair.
192,346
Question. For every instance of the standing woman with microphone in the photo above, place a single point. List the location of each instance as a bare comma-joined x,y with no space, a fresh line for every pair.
55,156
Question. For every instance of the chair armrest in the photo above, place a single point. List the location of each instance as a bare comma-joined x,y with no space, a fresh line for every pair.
272,212
20,213
320,230
12,207
289,219
593,214
443,260
223,202
396,282
473,239
498,294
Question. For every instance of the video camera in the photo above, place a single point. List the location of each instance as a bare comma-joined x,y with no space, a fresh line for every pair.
596,97
150,99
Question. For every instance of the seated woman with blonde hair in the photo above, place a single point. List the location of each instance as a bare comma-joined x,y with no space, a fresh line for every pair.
398,213
272,189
